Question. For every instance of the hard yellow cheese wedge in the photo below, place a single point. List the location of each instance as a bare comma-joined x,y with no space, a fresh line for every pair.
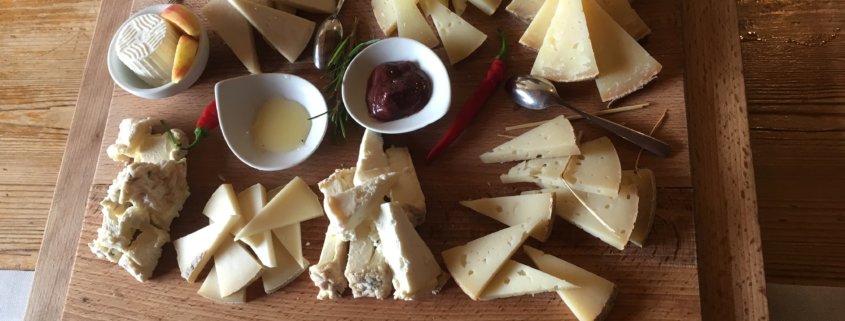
287,269
385,14
223,206
459,38
235,31
289,236
487,6
567,53
554,138
545,172
210,290
194,250
647,191
296,202
597,170
534,209
251,200
287,33
536,31
515,279
236,268
525,10
412,24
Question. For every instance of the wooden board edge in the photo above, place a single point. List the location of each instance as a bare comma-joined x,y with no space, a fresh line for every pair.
730,259
64,222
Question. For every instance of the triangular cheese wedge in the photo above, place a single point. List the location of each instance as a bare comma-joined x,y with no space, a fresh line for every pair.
474,264
235,31
525,10
622,12
545,172
623,64
194,250
287,269
647,206
251,200
515,279
236,268
554,138
385,15
594,296
407,189
460,6
534,209
353,206
289,236
210,290
597,170
287,33
412,24
536,31
313,6
296,202
567,52
372,161
459,38
487,6
223,205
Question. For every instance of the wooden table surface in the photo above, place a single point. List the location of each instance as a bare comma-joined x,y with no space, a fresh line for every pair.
794,76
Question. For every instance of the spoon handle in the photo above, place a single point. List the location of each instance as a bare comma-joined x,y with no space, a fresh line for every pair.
651,144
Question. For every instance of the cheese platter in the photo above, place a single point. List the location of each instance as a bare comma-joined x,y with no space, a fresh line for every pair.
659,280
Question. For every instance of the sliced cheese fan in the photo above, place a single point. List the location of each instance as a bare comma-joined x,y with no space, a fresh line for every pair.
296,202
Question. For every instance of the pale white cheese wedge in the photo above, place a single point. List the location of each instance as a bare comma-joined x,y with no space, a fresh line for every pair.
460,39
287,269
136,143
554,138
350,208
313,6
597,170
366,270
624,65
235,31
296,202
593,298
210,290
385,14
474,264
545,172
327,274
287,33
567,52
194,250
647,206
622,12
236,268
460,6
536,31
372,161
146,45
251,200
525,10
487,6
516,279
415,271
533,209
223,205
407,189
412,24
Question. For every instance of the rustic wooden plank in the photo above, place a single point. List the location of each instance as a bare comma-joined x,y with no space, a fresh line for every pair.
794,80
730,259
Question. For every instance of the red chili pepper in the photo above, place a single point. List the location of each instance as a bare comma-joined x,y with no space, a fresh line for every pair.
473,105
208,121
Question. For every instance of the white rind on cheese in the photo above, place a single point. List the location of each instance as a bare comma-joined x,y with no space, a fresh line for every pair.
647,191
516,279
210,290
536,31
296,202
554,138
372,161
250,201
597,170
533,209
407,189
327,274
385,14
350,208
146,45
622,12
593,298
236,268
412,24
545,172
566,54
287,269
487,6
287,33
525,10
459,38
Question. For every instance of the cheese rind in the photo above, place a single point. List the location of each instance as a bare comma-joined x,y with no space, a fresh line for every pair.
647,206
287,33
210,290
412,24
525,10
460,39
545,172
593,298
567,52
327,274
487,6
407,189
372,161
536,31
350,208
515,279
554,138
146,45
597,170
235,31
296,202
474,264
532,209
236,268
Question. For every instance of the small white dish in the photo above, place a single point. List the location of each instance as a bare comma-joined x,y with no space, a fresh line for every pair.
238,100
396,49
126,78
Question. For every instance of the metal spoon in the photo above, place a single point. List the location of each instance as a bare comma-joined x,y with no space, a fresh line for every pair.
328,36
537,93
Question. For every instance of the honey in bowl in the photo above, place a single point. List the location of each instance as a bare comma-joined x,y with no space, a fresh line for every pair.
280,125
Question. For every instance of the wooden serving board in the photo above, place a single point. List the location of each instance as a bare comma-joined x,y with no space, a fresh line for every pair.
659,281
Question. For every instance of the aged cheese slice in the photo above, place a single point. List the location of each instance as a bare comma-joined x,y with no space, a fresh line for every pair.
533,209
366,270
251,200
287,33
385,15
287,269
210,290
313,6
327,274
545,172
415,271
567,53
460,6
487,6
407,190
296,202
412,24
236,268
622,12
474,264
372,161
597,170
515,279
289,236
223,206
147,45
647,191
194,250
594,296
353,206
554,138
235,31
536,31
623,64
525,10
459,38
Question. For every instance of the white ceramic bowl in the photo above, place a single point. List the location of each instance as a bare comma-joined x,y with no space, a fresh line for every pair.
388,50
238,100
126,78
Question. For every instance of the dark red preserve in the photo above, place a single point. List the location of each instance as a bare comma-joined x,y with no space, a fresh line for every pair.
397,90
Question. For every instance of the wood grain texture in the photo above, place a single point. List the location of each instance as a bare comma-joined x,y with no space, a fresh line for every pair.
730,259
49,286
43,46
795,83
